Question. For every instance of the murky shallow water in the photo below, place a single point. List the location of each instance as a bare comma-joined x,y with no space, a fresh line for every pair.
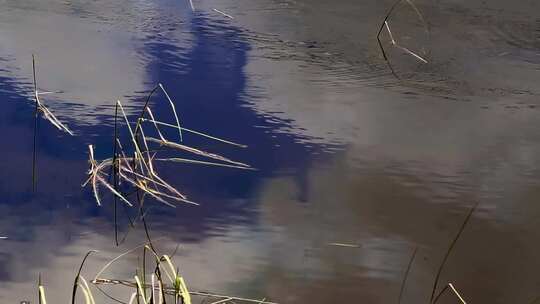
345,152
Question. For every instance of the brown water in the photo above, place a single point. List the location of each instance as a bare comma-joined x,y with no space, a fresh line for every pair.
348,154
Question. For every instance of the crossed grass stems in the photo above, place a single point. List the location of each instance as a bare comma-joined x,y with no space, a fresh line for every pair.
164,285
135,168
385,24
42,110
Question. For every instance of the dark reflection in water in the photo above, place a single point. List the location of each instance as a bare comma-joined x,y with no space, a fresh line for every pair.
345,153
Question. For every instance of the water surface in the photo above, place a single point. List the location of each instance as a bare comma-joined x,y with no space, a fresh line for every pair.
345,152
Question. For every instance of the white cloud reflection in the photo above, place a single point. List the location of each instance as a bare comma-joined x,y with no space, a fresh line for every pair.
92,51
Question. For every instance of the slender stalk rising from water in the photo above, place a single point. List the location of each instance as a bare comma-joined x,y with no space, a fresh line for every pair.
452,245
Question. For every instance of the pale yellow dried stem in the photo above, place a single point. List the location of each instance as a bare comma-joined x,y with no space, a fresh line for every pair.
198,162
145,189
195,151
42,294
116,259
132,298
86,290
457,293
222,301
173,109
141,291
155,122
138,154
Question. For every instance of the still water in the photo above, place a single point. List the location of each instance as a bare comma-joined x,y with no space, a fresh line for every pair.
345,152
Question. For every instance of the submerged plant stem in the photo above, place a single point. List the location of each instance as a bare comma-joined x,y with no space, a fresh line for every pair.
36,116
404,282
452,245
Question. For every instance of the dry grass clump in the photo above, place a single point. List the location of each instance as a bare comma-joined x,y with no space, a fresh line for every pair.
160,284
135,167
